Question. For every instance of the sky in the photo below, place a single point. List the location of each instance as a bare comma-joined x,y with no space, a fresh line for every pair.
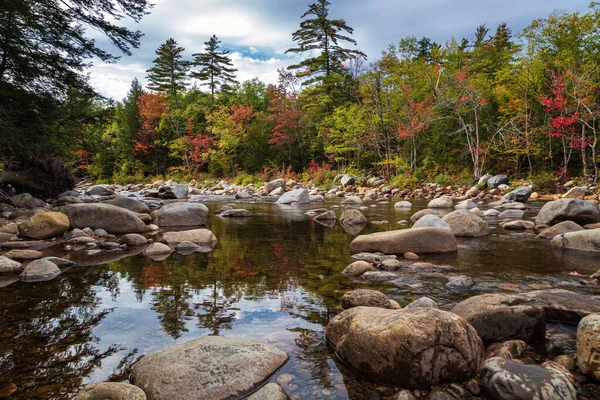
257,32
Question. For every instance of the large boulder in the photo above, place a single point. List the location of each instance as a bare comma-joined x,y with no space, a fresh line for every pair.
431,221
348,179
440,202
498,317
353,217
366,298
198,236
299,196
520,194
211,367
45,226
559,229
9,267
466,224
173,191
577,192
110,391
411,348
576,210
274,184
415,240
588,345
565,306
131,204
505,379
39,271
26,200
181,214
99,190
586,240
111,218
497,180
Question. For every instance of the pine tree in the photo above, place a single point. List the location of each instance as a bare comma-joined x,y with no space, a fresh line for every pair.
169,73
215,67
324,34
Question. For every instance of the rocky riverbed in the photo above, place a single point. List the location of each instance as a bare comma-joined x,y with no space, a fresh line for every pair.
471,290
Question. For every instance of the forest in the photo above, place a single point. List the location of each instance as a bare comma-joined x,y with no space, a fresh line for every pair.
525,104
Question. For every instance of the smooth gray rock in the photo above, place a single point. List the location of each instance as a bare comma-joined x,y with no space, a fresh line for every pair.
208,368
588,345
59,262
39,271
441,202
586,240
353,217
173,191
505,379
99,190
358,268
512,214
466,205
326,216
133,239
348,179
111,218
415,240
9,267
498,317
403,204
466,224
181,214
460,282
581,211
559,229
198,236
422,302
299,196
497,180
235,213
274,184
520,194
130,204
565,306
431,221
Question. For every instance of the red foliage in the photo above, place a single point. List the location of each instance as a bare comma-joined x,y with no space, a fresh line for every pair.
417,117
199,144
152,107
561,124
285,112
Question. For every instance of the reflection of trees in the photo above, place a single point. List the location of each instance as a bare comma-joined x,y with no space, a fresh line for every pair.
47,346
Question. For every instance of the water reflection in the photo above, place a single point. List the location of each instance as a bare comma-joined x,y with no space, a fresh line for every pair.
275,277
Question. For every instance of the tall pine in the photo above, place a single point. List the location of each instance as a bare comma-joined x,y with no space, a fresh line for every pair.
319,32
169,73
216,69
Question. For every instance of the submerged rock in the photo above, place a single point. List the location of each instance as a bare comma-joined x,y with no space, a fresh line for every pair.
235,213
498,317
110,391
366,298
411,348
270,391
415,240
211,367
504,379
422,302
358,268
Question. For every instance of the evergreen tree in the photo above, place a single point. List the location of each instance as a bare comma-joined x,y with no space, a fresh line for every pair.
127,118
324,34
215,67
169,73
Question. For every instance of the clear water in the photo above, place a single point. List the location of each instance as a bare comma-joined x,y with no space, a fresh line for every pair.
276,277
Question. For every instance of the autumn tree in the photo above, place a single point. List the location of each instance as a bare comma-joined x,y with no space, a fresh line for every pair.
216,69
319,33
169,71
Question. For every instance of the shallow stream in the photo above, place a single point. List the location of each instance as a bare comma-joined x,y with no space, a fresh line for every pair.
275,276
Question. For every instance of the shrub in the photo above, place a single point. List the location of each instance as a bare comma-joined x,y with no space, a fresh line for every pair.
544,182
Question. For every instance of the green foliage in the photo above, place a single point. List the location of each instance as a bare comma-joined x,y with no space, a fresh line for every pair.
544,182
404,181
169,72
216,69
243,179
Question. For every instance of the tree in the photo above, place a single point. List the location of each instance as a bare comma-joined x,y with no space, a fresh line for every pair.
216,68
323,34
44,51
169,73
